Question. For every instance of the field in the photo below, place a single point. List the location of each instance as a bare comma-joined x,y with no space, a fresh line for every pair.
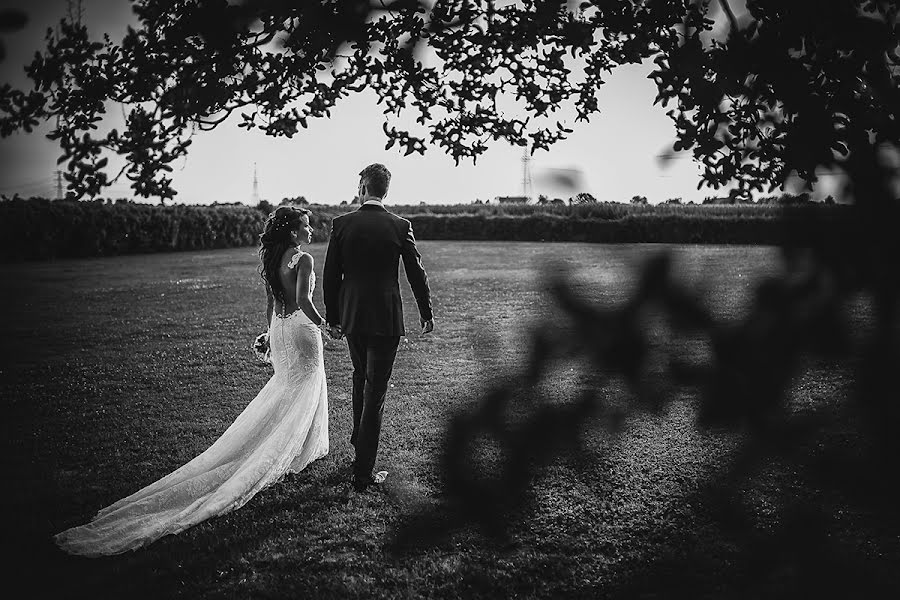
118,370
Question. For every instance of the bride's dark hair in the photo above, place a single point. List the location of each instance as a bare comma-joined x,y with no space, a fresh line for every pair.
274,240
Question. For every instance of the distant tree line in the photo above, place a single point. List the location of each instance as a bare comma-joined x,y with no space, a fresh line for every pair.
41,229
712,207
647,227
735,196
38,228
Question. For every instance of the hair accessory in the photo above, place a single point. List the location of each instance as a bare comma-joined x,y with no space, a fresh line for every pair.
280,221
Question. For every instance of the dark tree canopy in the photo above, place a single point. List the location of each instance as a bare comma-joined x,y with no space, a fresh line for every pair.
794,85
800,84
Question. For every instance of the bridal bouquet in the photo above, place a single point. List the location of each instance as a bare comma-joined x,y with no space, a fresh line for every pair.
261,347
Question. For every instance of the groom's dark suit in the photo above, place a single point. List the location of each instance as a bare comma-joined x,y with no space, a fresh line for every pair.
362,295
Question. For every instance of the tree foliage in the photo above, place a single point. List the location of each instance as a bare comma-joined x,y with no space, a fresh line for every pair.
583,198
43,229
781,93
789,88
798,85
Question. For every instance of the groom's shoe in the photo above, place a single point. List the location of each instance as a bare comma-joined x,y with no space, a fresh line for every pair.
360,484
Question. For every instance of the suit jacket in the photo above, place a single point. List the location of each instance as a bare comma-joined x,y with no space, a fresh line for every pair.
360,285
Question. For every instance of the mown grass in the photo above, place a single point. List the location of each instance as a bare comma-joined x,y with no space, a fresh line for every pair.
118,370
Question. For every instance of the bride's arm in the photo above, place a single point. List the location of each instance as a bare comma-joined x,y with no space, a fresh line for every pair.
304,269
270,304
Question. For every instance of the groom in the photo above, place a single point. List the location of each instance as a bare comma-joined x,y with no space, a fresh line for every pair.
362,302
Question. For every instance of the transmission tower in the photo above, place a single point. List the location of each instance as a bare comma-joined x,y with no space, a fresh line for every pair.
255,199
527,185
59,188
74,11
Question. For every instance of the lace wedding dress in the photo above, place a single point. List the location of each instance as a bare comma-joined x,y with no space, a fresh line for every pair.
281,431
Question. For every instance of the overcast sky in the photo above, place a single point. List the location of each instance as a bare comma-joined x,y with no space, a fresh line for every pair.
616,155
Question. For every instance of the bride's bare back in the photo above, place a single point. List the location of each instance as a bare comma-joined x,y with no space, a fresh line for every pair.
288,276
297,278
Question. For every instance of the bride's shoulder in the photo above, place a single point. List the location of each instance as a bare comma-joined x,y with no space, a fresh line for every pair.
293,256
303,259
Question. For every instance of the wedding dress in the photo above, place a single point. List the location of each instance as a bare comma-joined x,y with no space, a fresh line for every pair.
281,431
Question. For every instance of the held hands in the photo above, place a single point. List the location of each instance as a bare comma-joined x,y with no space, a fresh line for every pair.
427,325
334,332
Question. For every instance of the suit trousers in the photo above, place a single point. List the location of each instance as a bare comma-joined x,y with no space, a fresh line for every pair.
373,361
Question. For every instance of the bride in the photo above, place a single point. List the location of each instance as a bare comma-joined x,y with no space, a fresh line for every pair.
281,431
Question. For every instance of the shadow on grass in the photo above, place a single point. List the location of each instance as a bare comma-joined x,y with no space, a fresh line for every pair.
802,511
828,537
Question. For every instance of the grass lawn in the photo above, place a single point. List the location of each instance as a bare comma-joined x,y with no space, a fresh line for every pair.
116,371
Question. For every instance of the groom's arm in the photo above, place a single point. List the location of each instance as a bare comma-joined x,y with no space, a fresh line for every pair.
332,275
415,273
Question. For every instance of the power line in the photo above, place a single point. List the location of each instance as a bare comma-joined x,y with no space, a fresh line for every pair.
74,11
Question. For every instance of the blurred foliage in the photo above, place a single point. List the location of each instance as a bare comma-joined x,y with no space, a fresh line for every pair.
842,452
10,20
793,87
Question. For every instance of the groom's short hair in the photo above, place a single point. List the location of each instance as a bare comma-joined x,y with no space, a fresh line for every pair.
377,179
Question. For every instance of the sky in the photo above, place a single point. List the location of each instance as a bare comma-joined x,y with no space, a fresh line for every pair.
613,157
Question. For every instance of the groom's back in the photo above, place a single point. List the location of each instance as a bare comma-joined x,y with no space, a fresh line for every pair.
369,243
